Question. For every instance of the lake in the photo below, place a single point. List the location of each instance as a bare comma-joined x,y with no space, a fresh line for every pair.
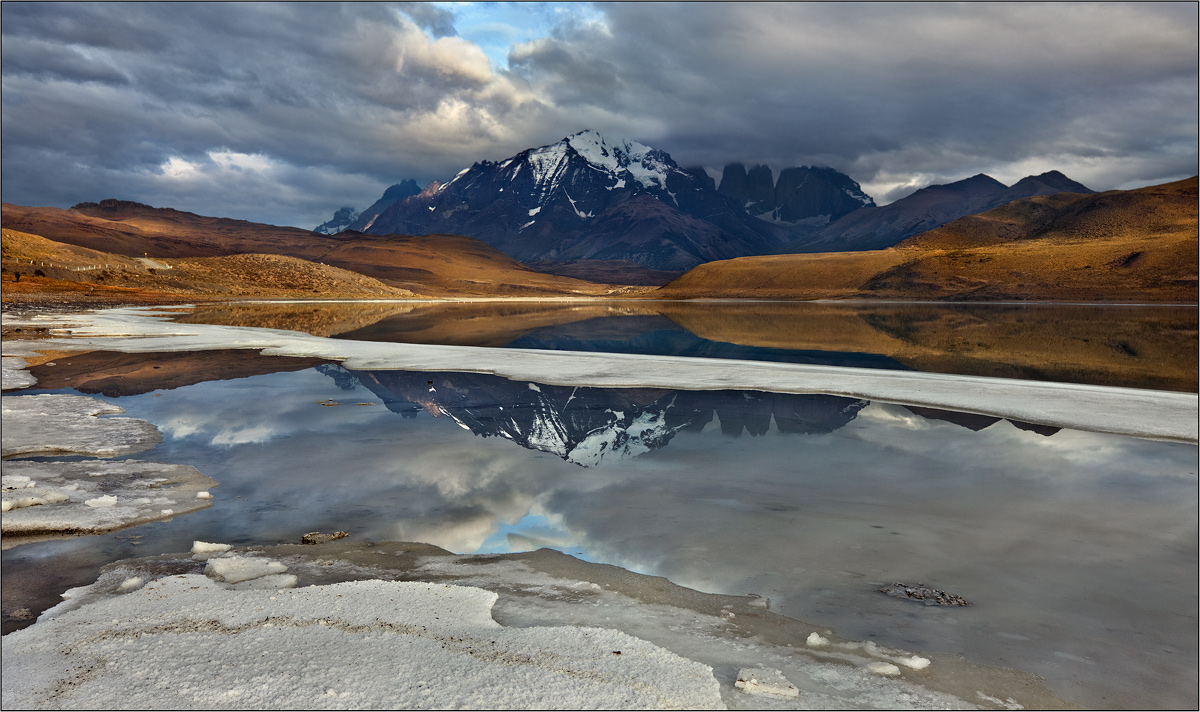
1077,550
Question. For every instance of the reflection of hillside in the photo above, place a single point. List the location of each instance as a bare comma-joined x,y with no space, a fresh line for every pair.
1141,347
586,425
482,324
1144,347
316,318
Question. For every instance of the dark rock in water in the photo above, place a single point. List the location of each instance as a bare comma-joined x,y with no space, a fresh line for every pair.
319,538
921,592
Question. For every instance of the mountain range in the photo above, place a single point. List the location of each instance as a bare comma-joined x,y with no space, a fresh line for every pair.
590,204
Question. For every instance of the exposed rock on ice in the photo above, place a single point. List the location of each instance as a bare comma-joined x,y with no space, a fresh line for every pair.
70,498
400,645
53,424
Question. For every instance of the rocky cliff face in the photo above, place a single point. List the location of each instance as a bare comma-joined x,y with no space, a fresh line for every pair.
803,197
341,220
587,197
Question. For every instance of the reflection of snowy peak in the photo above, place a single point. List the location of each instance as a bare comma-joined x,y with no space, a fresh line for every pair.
587,426
587,197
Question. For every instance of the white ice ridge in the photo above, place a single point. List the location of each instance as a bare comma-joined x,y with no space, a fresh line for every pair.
1127,411
14,375
55,424
187,642
88,497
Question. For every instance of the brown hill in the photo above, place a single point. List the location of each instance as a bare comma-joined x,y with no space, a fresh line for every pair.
1134,245
49,266
429,265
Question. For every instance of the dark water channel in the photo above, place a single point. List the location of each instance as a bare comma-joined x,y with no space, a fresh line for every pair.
1078,551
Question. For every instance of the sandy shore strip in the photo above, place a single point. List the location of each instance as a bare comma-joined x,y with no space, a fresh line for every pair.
1142,413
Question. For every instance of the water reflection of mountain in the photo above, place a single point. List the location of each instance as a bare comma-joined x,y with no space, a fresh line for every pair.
586,425
660,336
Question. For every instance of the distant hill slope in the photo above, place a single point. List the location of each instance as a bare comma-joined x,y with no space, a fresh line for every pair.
872,228
430,265
1135,245
49,266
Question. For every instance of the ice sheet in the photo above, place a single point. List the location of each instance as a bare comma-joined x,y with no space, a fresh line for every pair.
96,496
186,642
14,374
1127,411
532,630
55,424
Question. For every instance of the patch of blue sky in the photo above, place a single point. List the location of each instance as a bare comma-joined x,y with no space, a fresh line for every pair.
497,26
533,531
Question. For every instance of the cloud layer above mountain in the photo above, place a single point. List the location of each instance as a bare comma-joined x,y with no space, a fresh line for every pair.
284,112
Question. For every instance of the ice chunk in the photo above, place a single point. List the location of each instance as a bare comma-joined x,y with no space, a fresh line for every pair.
765,681
816,640
916,662
132,583
13,374
89,497
272,582
235,569
54,424
882,668
204,547
203,494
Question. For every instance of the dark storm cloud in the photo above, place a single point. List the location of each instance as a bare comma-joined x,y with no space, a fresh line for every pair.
894,89
284,112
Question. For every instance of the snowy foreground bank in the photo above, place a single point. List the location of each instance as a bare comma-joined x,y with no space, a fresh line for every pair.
228,628
1125,411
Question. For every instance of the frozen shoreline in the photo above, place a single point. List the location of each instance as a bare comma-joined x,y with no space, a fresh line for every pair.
1140,413
415,626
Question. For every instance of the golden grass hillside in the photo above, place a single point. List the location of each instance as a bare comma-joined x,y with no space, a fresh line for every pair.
1118,246
46,266
433,265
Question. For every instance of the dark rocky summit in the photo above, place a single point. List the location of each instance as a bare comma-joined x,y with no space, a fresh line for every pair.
586,197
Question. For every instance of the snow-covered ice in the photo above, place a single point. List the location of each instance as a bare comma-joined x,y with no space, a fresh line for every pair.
533,630
47,498
14,373
765,681
185,642
1125,411
56,424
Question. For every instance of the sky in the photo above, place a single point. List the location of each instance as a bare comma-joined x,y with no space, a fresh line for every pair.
282,113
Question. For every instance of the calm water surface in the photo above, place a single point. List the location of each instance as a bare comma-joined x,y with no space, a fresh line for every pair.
1077,550
1131,346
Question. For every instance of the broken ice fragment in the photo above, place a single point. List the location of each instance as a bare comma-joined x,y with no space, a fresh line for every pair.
765,681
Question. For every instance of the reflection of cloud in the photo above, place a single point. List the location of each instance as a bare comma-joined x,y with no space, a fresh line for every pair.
814,521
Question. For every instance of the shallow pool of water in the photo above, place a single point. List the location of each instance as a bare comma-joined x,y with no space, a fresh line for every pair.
1077,551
